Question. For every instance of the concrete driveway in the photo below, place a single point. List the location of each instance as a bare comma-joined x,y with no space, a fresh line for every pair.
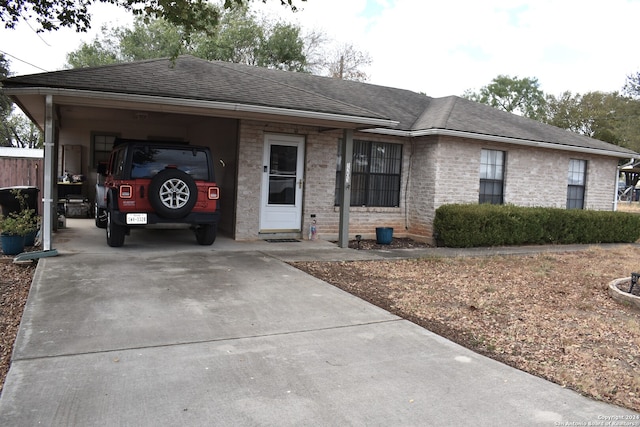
162,332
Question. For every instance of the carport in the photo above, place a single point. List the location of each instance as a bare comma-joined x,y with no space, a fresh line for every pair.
162,99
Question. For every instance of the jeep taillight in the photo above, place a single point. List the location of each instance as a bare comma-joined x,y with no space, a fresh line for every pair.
214,193
126,192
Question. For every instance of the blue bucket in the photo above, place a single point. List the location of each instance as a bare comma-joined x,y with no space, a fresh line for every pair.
384,235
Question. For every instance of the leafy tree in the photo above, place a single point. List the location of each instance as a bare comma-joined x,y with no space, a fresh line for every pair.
6,106
609,117
605,116
5,102
236,39
150,40
239,37
16,130
102,51
519,96
191,15
283,49
23,132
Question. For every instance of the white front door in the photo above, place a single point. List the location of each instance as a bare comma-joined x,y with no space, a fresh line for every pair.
282,183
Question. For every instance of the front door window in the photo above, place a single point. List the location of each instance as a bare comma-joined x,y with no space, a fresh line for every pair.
282,174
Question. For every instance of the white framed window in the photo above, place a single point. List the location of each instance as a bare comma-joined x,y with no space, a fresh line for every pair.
101,146
492,164
576,183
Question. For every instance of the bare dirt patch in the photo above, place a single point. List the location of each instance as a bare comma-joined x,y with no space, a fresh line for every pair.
15,282
547,314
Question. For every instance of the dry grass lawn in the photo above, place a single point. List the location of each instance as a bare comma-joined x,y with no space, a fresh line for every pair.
548,314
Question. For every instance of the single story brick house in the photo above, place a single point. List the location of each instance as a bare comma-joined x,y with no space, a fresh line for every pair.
286,143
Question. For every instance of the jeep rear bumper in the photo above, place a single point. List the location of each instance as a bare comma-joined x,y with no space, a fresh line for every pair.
194,218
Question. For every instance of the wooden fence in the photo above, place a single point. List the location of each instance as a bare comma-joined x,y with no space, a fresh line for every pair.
22,171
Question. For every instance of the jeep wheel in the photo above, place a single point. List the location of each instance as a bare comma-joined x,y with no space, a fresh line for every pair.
115,232
172,193
206,234
101,217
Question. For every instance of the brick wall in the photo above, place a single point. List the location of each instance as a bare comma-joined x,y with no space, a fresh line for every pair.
435,171
319,184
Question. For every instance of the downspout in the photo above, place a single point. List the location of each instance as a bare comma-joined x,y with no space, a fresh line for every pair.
615,190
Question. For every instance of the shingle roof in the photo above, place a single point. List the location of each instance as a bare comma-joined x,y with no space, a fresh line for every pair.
192,78
459,114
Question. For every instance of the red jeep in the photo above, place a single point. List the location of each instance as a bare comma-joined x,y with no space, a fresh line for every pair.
151,182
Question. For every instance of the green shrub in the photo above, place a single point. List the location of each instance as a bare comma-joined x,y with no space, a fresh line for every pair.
475,225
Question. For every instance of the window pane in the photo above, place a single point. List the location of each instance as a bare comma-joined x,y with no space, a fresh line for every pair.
576,183
360,157
102,146
384,190
283,160
577,169
575,197
385,158
376,171
491,176
358,190
282,190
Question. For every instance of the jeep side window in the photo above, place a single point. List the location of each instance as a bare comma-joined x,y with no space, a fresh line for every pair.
118,164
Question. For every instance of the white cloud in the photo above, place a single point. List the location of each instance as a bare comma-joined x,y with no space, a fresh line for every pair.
441,48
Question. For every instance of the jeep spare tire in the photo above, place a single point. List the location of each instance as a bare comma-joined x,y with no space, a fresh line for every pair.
172,193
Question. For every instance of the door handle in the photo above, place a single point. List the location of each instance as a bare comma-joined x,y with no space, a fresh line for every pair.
300,181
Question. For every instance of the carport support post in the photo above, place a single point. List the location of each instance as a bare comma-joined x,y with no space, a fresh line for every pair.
47,198
345,185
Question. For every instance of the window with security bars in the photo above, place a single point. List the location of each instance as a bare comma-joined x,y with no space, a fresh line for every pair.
492,177
576,184
375,174
101,146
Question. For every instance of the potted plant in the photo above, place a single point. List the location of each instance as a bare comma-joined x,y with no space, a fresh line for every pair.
12,232
15,226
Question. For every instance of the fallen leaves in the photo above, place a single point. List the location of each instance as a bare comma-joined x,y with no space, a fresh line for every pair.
15,282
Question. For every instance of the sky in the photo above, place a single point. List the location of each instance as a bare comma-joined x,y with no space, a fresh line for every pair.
439,48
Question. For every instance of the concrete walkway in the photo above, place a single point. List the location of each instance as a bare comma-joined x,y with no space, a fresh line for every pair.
163,332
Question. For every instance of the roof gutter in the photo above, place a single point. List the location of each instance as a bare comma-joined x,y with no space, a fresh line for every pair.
195,103
503,139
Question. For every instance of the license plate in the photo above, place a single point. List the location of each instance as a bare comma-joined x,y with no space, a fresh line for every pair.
136,218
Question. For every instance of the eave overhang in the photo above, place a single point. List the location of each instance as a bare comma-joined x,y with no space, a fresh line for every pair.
88,98
502,139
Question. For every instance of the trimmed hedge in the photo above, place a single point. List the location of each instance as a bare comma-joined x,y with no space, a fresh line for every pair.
473,225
